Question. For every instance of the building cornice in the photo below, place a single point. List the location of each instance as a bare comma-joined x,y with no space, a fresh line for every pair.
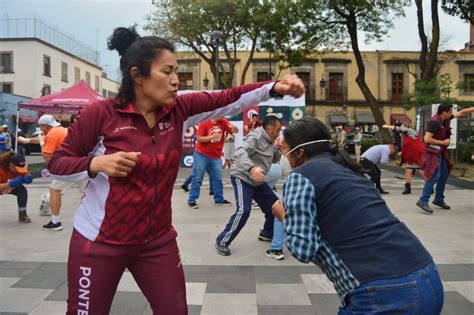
34,39
400,61
465,62
335,60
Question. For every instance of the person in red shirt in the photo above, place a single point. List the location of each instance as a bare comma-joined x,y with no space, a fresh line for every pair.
207,157
13,176
254,124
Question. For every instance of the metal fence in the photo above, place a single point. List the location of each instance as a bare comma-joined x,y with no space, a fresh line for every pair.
35,28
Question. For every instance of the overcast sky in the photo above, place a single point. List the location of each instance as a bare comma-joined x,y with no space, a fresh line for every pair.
93,21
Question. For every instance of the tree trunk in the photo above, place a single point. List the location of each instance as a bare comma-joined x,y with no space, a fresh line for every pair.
422,35
430,72
373,104
249,60
428,54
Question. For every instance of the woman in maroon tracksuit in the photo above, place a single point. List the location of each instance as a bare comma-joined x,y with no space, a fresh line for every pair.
129,149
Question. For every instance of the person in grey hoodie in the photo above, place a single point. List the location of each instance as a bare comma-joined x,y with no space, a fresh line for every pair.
253,160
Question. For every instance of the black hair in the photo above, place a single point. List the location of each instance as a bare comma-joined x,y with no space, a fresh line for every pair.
5,159
254,115
134,51
270,120
444,107
311,129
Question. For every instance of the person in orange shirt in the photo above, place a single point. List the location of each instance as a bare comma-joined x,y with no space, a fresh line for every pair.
13,176
54,135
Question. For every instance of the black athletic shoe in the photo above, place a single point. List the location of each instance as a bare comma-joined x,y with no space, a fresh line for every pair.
223,203
53,226
211,193
222,250
184,187
424,206
193,205
275,254
383,192
264,238
441,204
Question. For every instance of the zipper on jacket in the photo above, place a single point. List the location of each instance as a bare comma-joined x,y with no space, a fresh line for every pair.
153,141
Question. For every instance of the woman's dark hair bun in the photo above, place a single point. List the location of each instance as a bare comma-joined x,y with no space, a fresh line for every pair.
122,38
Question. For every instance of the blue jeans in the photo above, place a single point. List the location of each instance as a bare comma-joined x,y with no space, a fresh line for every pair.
439,178
188,181
274,174
244,193
214,168
420,292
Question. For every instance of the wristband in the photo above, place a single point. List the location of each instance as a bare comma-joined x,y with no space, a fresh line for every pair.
89,172
273,93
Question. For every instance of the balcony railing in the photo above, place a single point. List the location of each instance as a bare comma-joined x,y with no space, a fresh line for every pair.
35,28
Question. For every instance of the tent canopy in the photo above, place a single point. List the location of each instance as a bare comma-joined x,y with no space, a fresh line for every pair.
365,118
67,101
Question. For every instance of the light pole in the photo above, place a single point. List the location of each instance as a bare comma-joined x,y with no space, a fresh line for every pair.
322,85
205,81
270,73
217,38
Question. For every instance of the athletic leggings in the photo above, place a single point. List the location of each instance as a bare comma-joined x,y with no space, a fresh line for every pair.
95,269
21,196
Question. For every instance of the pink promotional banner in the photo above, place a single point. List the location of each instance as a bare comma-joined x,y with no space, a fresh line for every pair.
68,101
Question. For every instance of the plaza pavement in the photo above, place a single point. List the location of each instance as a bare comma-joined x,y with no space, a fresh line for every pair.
33,262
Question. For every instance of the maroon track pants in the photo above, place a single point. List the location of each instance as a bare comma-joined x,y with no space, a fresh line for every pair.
95,269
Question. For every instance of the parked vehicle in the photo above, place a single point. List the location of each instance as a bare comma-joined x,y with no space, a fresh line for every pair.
350,141
33,147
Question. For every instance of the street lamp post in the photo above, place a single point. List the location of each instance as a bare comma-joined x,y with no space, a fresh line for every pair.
217,38
270,73
205,81
322,85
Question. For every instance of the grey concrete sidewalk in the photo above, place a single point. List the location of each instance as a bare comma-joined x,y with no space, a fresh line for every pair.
33,261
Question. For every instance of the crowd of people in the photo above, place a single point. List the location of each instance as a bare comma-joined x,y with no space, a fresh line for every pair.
127,149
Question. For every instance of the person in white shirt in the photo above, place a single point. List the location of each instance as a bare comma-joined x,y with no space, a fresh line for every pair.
357,143
378,154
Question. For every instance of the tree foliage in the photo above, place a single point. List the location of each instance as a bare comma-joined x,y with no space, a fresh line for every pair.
345,19
270,25
464,9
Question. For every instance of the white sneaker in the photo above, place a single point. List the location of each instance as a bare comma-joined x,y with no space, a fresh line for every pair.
275,254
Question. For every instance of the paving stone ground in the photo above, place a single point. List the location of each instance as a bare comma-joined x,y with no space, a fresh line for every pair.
33,262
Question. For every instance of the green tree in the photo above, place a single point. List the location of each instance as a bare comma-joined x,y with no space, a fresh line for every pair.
274,26
374,19
464,9
429,50
190,23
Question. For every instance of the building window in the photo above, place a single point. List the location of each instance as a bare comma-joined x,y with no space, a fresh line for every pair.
112,94
88,77
397,86
77,75
6,87
104,93
336,86
263,76
185,80
46,65
64,72
97,83
305,77
6,65
46,90
468,82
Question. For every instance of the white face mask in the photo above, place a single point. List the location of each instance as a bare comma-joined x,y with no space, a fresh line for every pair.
306,143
